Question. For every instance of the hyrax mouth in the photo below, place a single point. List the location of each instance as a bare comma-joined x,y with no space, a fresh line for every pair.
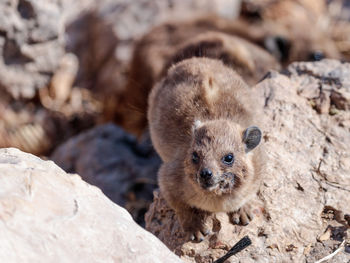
223,183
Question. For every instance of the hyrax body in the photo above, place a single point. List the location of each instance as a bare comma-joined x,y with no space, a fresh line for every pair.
171,42
201,119
250,47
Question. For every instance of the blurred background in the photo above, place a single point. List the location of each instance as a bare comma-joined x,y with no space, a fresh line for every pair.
67,68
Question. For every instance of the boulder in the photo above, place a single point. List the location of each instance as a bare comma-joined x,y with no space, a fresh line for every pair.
48,215
30,45
116,162
37,101
305,194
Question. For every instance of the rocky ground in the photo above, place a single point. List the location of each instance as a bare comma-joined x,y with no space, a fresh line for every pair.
64,66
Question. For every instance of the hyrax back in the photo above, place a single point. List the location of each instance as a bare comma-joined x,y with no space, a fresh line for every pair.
201,119
168,43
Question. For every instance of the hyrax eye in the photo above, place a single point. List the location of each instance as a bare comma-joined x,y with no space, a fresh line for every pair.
195,157
228,159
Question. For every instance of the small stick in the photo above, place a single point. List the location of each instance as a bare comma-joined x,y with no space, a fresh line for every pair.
239,246
333,254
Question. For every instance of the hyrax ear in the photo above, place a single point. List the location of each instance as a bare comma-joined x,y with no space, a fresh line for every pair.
251,138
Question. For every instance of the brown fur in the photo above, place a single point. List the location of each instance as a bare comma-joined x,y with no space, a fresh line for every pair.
238,43
200,37
203,106
304,24
250,61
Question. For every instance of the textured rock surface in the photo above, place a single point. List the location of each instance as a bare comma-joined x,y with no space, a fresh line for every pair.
37,101
48,215
306,191
30,44
114,161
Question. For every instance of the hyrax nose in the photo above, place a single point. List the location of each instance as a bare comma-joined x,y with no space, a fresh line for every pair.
206,174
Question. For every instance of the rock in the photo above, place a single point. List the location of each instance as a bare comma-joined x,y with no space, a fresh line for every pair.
25,129
306,189
37,98
341,99
113,160
47,215
36,129
325,85
30,43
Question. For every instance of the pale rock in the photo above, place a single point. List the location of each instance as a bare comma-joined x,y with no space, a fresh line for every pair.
31,44
50,216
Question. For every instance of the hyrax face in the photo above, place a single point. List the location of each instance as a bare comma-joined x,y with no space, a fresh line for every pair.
218,159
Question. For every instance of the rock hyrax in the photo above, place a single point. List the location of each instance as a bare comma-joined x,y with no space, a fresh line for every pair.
201,119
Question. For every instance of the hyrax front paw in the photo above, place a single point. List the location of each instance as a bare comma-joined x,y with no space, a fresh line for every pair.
195,223
199,232
242,216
